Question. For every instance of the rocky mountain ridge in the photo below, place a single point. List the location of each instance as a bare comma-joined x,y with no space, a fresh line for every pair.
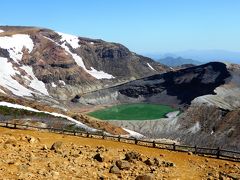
63,65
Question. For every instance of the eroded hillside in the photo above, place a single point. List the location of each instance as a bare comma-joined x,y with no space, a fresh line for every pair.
44,62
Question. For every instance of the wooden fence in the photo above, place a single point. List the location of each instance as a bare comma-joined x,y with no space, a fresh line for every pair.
213,152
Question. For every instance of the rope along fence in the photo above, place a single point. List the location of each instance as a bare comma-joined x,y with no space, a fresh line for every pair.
214,152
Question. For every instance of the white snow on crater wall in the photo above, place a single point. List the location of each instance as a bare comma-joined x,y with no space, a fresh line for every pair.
62,82
34,82
53,84
1,91
14,44
73,41
195,128
70,39
133,133
7,72
99,74
1,30
150,67
17,106
6,79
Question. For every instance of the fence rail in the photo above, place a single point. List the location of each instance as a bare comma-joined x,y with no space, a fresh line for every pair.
214,152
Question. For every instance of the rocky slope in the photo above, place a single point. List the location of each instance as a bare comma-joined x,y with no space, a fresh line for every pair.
176,88
41,155
44,62
207,95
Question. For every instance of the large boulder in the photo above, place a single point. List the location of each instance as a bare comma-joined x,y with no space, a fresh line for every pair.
123,165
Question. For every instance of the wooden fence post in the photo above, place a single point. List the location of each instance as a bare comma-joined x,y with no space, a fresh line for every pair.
218,152
136,141
119,138
87,134
154,144
15,126
174,146
6,124
195,149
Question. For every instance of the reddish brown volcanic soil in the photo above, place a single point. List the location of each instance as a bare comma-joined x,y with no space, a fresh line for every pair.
26,154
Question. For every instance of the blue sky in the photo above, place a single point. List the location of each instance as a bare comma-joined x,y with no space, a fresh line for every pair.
144,26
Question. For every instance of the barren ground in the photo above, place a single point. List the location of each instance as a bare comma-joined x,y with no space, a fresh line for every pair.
26,154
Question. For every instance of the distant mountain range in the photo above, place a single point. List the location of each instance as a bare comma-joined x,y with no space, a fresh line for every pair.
202,55
173,62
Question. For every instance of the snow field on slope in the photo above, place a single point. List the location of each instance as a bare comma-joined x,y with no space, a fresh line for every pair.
133,133
14,45
34,82
150,67
6,79
73,41
17,106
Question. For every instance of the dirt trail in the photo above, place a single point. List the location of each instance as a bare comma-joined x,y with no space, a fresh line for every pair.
26,154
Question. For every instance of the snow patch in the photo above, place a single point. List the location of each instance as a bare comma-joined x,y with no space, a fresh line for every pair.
54,85
133,133
7,73
15,43
150,67
99,74
34,82
92,43
1,91
1,30
195,128
172,114
6,79
17,106
70,39
62,82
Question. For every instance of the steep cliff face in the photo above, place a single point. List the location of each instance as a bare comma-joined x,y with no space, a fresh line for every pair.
117,60
177,88
66,65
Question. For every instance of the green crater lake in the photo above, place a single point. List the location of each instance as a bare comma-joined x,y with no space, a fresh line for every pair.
133,112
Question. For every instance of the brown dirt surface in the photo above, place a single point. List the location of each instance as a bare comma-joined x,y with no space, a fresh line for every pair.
26,154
